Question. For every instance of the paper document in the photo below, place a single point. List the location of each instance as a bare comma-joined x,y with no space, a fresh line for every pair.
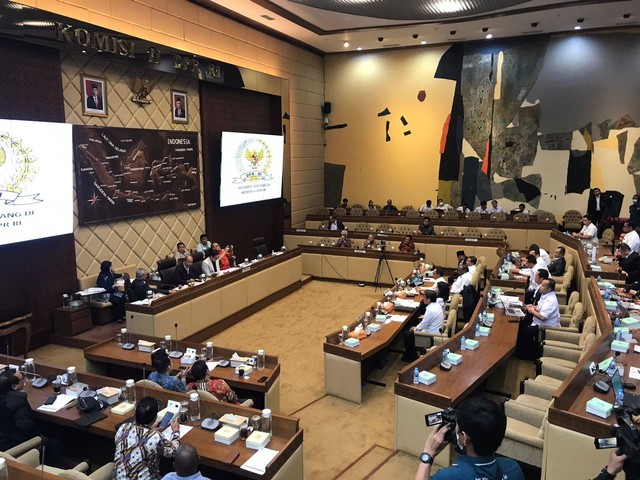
184,429
509,299
61,402
397,318
212,365
91,291
634,372
259,461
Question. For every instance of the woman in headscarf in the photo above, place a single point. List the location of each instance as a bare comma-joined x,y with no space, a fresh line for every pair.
106,280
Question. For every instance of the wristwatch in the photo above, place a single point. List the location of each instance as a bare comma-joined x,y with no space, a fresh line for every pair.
426,458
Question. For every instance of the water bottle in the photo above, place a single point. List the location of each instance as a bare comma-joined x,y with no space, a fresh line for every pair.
167,341
618,335
462,345
209,350
366,321
611,370
28,369
4,472
484,316
477,330
265,422
125,335
345,333
416,376
619,396
616,322
599,279
66,301
260,362
194,407
130,391
72,377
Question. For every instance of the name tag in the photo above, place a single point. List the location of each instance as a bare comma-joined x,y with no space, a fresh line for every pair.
359,251
382,235
301,230
470,239
246,269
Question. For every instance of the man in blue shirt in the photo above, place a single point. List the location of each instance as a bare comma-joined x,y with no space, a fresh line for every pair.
186,465
479,430
162,363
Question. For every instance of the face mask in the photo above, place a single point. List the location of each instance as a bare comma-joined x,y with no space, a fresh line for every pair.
635,200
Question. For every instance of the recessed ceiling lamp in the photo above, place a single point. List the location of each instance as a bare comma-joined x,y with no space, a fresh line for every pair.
346,44
423,42
488,36
448,6
359,48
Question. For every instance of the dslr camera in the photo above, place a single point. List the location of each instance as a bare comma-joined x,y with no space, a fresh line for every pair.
446,416
626,438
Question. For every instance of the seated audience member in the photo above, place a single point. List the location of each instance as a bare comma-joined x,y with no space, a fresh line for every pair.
17,423
438,275
431,318
631,237
224,255
390,207
589,231
344,240
629,263
371,205
442,292
464,208
426,228
520,209
335,224
204,244
162,363
541,252
370,243
495,208
140,287
184,271
425,207
545,314
215,386
445,207
407,245
139,445
462,281
558,265
471,263
479,431
185,465
482,208
462,258
181,252
532,293
107,280
345,203
531,265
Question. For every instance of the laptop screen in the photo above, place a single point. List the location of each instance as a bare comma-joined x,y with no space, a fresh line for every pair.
616,382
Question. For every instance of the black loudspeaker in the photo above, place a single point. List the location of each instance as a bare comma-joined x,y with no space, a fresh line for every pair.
326,108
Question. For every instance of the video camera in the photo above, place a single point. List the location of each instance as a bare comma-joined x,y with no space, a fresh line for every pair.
446,416
383,245
626,438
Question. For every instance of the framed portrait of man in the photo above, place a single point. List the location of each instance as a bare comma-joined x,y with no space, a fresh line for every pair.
179,106
94,96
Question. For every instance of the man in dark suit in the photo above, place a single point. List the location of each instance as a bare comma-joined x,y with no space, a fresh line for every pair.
558,265
17,423
595,206
179,110
629,263
94,101
185,271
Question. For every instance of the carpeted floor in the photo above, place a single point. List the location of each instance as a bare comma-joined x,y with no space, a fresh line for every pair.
342,440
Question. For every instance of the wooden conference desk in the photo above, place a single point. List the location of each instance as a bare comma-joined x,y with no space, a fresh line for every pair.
453,386
435,250
108,358
287,435
208,308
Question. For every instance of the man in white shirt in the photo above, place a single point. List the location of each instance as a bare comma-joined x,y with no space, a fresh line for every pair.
547,312
204,244
181,252
462,281
482,208
589,231
631,237
464,208
520,209
495,208
430,322
443,206
471,264
542,253
425,207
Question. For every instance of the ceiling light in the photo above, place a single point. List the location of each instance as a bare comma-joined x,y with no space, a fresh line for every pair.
346,44
577,27
359,48
423,42
448,6
488,36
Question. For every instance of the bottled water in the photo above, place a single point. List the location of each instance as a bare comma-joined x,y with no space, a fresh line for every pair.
72,377
462,345
416,376
266,421
194,407
261,360
130,391
28,369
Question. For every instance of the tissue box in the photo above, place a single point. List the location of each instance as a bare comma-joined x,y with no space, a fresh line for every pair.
630,322
258,440
471,344
381,318
454,358
187,360
227,435
598,407
233,420
373,327
247,369
123,408
108,395
237,361
145,346
619,346
484,331
426,377
622,330
610,304
360,334
76,388
352,342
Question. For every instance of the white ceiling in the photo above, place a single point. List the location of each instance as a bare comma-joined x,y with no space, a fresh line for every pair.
327,31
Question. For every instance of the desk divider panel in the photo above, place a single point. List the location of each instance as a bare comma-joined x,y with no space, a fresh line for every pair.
233,297
311,264
206,310
165,322
262,284
334,266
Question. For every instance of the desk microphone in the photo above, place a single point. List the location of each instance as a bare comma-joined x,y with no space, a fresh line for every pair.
441,330
176,353
44,440
444,364
144,376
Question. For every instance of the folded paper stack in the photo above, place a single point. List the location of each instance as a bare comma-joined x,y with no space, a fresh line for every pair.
226,435
258,440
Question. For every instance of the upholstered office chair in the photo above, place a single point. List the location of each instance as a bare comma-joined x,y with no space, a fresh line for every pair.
168,278
571,340
498,217
562,290
374,212
166,263
565,357
340,212
521,217
524,435
474,216
428,340
431,214
103,473
357,205
322,211
472,232
405,230
385,228
145,382
324,225
451,215
260,246
210,396
547,217
567,310
449,232
198,256
406,208
412,213
496,233
363,227
328,242
607,238
27,453
572,220
356,212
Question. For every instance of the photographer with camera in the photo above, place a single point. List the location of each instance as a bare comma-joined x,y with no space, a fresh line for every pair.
477,429
616,462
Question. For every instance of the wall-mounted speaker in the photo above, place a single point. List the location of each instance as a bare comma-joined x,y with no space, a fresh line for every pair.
326,108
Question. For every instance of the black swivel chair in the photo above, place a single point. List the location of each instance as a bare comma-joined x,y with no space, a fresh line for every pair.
166,263
260,246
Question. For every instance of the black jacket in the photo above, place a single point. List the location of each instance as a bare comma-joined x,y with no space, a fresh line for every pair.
631,265
182,276
557,267
17,424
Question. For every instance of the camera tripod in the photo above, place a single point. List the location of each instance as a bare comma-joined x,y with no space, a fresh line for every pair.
381,259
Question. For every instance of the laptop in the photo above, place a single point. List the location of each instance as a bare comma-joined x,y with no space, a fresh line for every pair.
631,400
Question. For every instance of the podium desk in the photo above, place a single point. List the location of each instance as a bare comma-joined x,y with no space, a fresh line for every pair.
207,308
453,386
97,439
108,358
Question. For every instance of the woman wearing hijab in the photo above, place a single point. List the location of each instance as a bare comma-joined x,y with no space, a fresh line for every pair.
107,280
